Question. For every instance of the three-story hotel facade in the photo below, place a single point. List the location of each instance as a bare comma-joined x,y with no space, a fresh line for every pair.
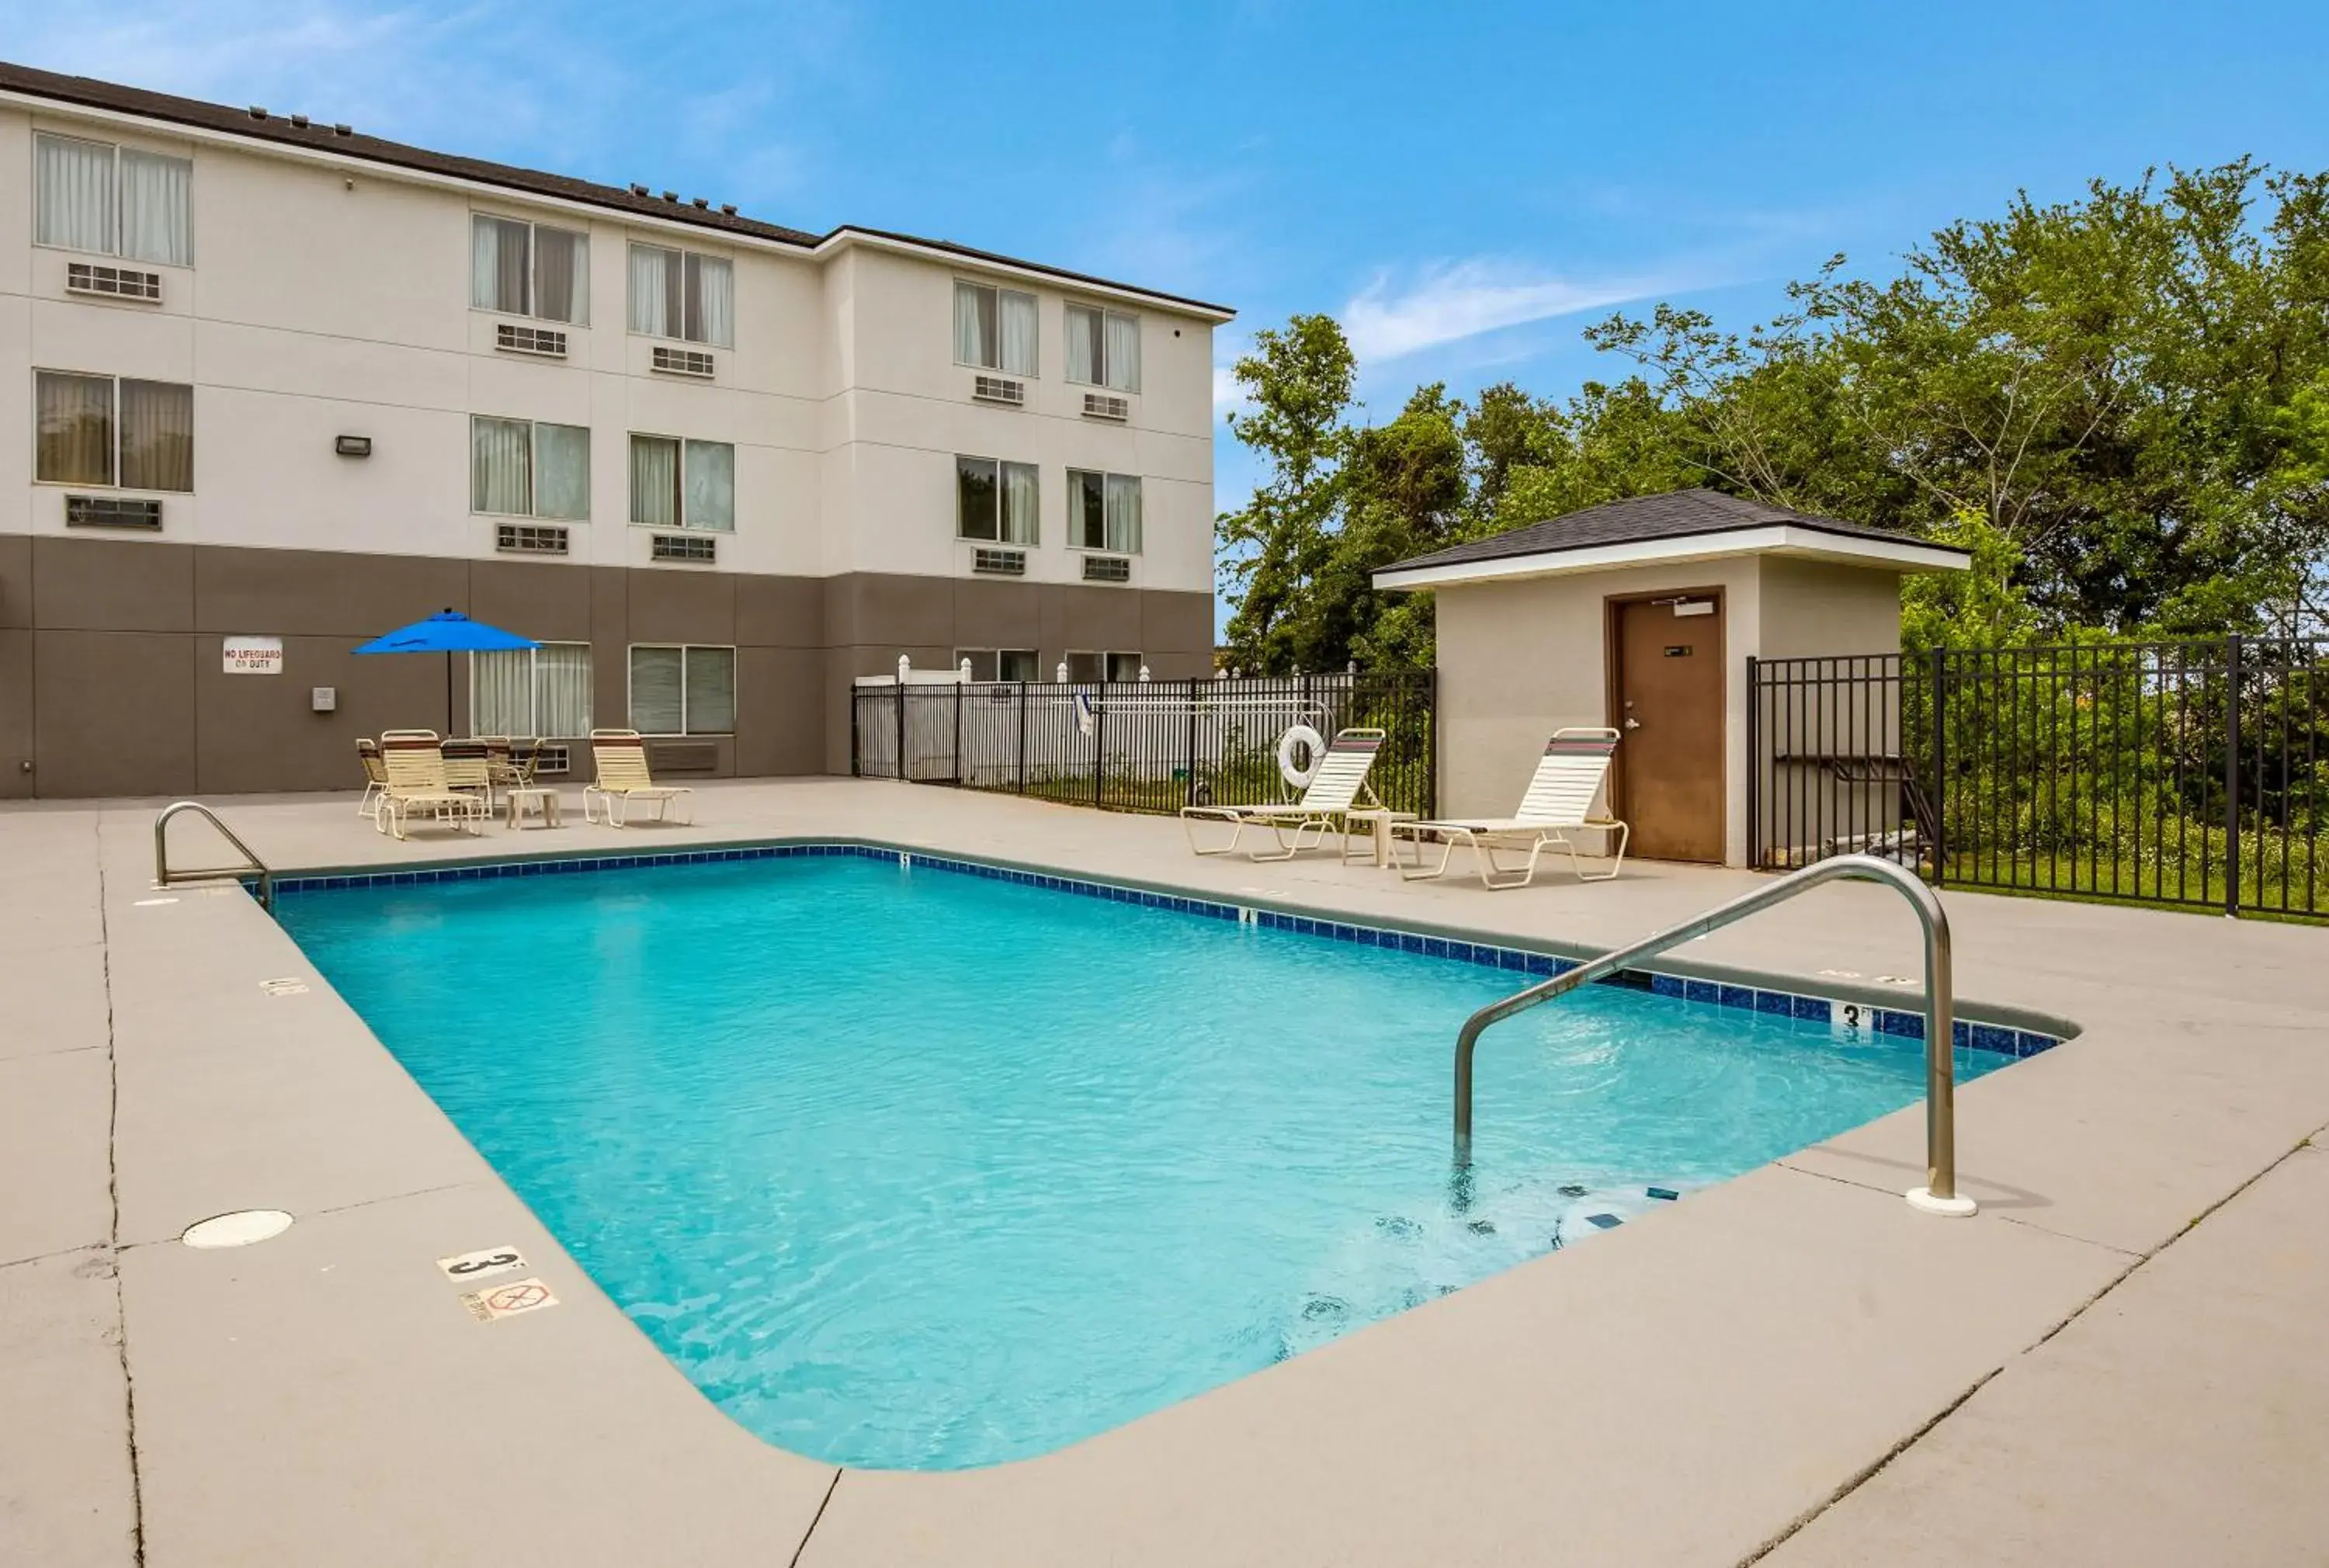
281,387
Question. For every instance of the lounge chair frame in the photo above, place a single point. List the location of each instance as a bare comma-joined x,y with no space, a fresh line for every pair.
416,782
620,758
1339,787
1573,771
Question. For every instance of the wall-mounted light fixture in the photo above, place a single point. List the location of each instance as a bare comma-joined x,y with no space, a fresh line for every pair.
352,446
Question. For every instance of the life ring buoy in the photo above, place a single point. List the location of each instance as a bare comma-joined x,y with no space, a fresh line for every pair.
1302,735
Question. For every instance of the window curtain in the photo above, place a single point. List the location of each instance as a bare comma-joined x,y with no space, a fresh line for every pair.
1124,353
500,692
711,499
1124,514
158,436
1087,509
652,290
973,326
975,497
562,276
654,482
501,466
562,691
654,691
1022,503
75,207
1124,666
498,261
1083,345
713,298
562,472
157,208
1018,324
75,425
712,692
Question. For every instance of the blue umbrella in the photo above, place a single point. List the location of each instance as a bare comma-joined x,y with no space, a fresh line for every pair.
448,632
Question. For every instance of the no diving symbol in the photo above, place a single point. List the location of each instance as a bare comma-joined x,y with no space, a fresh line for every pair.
517,1298
508,1300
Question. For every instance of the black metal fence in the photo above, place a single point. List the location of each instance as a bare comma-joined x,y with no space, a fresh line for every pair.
1145,746
2173,772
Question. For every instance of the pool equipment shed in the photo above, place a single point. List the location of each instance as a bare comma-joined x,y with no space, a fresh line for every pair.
1642,615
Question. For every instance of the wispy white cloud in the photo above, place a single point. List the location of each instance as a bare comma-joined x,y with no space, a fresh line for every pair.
1452,301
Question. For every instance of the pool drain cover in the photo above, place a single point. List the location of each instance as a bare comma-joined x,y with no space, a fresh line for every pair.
239,1229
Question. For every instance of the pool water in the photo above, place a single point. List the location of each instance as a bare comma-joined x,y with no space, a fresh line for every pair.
916,1170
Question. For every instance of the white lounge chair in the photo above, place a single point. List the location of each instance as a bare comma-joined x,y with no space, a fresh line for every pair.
1560,800
623,780
1332,794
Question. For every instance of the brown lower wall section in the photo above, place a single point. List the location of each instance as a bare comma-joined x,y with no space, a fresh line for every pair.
111,680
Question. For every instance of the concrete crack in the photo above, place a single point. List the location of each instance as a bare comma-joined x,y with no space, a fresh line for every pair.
815,1520
113,1197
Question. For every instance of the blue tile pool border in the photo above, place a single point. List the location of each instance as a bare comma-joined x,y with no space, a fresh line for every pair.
1996,1039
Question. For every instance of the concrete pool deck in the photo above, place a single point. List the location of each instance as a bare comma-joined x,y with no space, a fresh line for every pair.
2117,1360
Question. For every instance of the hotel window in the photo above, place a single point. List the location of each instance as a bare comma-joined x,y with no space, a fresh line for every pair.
113,200
679,483
542,693
998,664
1103,348
678,294
995,329
1086,668
684,690
104,431
529,269
518,468
997,501
1104,510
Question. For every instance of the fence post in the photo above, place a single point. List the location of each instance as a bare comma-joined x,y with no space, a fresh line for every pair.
1189,789
958,735
856,763
1940,765
1023,737
1100,740
2232,774
1754,763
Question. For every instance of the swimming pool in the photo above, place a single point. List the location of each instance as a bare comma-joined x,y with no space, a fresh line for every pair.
912,1169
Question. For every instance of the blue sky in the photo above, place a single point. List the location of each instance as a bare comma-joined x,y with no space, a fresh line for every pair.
1465,185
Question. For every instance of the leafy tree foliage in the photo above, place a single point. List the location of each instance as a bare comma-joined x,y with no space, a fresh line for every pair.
2120,403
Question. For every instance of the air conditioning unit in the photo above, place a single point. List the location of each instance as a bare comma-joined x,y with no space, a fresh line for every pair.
1106,568
529,539
683,362
546,342
1104,405
112,511
112,282
999,563
551,759
685,546
683,756
999,389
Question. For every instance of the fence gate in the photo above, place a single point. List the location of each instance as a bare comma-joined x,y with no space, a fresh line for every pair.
2171,773
1145,746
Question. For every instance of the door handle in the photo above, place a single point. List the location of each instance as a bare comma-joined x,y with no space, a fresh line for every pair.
1632,723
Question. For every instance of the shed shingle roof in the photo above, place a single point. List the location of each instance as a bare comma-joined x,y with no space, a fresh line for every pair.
88,92
1676,514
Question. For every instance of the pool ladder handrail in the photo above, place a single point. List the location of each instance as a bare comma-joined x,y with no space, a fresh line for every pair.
164,877
1939,1193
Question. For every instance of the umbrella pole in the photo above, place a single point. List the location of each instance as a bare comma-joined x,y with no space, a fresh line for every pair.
448,694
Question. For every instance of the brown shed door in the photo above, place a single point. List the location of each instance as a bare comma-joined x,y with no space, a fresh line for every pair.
1670,713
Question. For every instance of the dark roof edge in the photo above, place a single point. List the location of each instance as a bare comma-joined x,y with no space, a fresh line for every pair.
276,130
1835,530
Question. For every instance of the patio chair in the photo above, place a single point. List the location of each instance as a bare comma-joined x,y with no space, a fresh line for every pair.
375,777
417,782
469,768
621,758
1559,801
1338,787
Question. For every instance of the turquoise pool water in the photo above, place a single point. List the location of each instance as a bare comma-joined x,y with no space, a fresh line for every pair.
923,1170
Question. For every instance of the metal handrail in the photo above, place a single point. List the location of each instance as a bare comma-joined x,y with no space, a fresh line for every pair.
165,878
1940,1194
